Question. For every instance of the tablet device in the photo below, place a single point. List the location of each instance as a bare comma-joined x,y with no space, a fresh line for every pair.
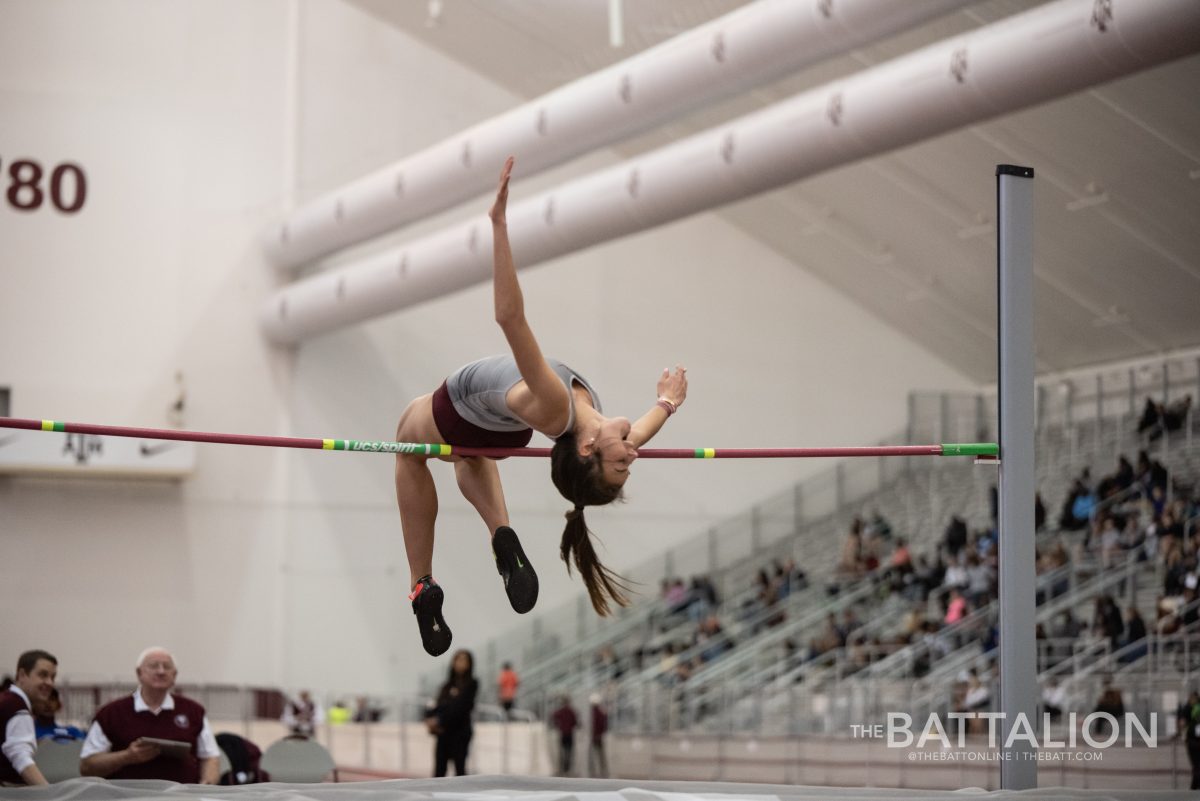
177,749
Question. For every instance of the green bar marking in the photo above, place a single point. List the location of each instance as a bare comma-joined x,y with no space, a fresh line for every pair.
971,449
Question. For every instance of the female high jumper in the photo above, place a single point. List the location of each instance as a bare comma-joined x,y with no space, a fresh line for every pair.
498,402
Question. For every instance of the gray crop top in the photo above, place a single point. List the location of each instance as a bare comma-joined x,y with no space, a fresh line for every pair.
478,390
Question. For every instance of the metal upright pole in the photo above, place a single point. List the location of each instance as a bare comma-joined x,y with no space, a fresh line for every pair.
1018,666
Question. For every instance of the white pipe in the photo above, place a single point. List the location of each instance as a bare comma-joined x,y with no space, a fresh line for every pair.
755,44
1027,59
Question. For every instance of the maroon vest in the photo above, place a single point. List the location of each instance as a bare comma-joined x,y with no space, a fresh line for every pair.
122,726
11,705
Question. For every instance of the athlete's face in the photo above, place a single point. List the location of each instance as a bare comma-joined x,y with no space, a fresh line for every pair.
616,451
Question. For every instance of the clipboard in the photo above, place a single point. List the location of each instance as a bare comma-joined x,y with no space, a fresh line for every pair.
176,749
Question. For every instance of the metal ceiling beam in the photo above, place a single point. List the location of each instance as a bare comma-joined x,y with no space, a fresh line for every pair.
1029,58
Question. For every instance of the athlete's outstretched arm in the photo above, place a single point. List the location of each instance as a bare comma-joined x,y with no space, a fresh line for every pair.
545,386
672,388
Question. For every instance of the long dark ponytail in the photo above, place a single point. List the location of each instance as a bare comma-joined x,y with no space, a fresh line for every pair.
580,481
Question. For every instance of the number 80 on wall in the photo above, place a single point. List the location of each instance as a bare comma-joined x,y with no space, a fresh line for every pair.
66,187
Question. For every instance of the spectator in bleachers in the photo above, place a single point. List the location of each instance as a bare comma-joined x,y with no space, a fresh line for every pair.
1077,508
957,608
901,558
979,581
1109,538
1176,565
955,538
1054,698
976,697
850,564
1066,626
831,637
850,623
1150,473
1107,621
1151,419
912,622
1110,701
870,555
879,526
1158,418
1135,632
956,574
1174,415
1158,501
1118,482
698,605
713,635
676,597
796,579
608,665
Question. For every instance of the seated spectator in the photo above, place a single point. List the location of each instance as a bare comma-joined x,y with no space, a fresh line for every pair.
955,538
698,607
301,715
365,711
119,745
975,697
45,714
957,609
956,574
1107,622
979,581
830,637
1150,473
1151,418
712,635
1174,415
850,623
850,563
797,580
36,672
901,559
879,526
1110,701
677,596
1118,482
1158,418
1054,698
1109,538
1135,633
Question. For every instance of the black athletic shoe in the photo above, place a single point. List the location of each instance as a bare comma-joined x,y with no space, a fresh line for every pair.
427,600
520,580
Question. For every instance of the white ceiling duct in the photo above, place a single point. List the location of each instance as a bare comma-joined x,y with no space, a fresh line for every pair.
1027,59
750,46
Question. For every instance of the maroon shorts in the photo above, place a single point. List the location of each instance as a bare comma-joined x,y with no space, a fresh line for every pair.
457,431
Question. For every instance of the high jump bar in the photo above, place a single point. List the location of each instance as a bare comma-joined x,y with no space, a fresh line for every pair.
984,449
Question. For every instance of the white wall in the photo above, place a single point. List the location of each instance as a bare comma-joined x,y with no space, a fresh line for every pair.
287,566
